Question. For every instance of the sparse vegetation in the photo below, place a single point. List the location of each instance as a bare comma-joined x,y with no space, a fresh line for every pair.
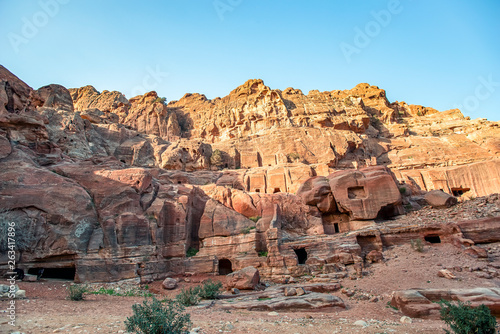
375,122
192,296
417,245
263,253
191,252
128,293
294,156
189,296
247,230
77,292
210,289
464,319
255,218
402,190
156,317
161,100
388,305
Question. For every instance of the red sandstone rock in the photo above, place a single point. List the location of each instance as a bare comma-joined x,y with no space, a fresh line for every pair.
316,191
245,279
62,169
438,199
419,303
363,194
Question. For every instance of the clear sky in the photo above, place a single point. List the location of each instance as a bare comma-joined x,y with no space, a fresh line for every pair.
440,54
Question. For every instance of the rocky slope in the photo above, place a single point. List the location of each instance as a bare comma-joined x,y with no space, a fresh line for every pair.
109,188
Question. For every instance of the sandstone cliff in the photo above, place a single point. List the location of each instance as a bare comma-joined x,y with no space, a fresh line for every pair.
117,188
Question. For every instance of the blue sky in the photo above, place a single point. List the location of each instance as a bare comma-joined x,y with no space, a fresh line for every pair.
440,54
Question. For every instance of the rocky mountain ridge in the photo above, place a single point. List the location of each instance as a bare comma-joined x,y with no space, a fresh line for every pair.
114,188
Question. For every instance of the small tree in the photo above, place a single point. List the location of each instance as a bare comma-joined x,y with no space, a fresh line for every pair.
156,317
465,319
216,158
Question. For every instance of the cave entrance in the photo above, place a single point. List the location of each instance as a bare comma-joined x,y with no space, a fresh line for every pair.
301,255
276,190
225,267
433,239
336,227
67,273
457,192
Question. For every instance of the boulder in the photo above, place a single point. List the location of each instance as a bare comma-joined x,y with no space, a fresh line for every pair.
420,303
440,199
367,193
310,301
169,283
477,252
245,279
316,191
289,291
300,291
374,256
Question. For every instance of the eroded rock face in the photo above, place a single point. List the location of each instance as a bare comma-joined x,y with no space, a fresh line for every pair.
146,113
367,193
317,192
15,95
107,187
56,96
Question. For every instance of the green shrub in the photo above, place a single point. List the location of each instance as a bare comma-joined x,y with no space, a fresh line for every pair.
161,100
210,289
417,245
464,319
156,317
77,291
255,218
402,190
189,296
247,230
263,253
191,252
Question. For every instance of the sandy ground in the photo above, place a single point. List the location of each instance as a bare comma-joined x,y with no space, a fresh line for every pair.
46,309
